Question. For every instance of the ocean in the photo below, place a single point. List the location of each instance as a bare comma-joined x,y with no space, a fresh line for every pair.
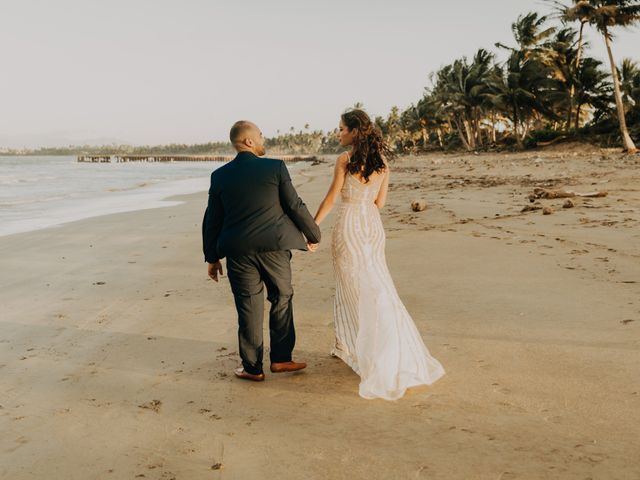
42,192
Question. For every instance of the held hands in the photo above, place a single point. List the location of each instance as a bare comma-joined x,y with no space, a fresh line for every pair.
213,269
312,246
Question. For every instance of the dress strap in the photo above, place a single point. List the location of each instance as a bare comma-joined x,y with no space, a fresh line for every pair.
348,158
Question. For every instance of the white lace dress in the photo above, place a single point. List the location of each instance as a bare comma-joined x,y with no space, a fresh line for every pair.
375,335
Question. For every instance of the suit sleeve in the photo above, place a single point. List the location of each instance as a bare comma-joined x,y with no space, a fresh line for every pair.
212,225
295,208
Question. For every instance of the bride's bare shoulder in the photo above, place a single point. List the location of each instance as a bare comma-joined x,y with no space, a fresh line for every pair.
342,161
343,158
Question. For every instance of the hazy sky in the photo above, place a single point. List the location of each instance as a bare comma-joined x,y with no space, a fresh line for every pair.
159,71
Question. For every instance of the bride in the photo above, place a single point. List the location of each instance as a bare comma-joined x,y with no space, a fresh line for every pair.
375,334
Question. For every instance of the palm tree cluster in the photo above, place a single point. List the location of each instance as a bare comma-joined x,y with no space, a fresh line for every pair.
547,87
301,142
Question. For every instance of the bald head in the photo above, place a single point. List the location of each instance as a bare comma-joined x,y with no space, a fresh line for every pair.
247,137
239,131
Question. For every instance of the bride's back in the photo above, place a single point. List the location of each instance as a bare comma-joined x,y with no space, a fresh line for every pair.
358,192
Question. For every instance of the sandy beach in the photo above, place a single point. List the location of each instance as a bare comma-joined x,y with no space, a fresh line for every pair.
117,351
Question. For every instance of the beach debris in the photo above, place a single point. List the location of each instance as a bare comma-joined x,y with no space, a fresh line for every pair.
152,405
530,208
550,194
418,205
568,203
547,211
99,283
628,320
216,466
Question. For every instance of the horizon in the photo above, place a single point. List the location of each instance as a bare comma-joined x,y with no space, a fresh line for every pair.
89,73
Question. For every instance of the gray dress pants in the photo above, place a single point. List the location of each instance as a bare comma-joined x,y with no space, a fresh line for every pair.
247,276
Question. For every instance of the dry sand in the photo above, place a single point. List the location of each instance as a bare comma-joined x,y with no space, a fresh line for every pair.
117,352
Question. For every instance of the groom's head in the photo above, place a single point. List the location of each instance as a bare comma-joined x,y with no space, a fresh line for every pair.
247,137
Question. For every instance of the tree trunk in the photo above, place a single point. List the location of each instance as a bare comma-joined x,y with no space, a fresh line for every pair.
449,124
439,133
493,128
525,131
624,132
580,37
572,93
570,111
425,137
479,139
469,131
578,111
461,133
515,128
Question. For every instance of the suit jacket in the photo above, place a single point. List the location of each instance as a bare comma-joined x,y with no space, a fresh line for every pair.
253,207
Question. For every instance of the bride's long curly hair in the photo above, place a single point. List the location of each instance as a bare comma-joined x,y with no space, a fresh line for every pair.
369,147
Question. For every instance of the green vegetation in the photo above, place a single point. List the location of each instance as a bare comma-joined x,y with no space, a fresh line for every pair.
547,89
215,148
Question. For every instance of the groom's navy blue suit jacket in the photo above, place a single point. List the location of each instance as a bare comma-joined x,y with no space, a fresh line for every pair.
253,207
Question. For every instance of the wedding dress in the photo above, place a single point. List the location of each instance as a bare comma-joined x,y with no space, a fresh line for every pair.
375,335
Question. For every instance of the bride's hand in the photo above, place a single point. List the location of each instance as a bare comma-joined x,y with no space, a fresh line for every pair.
312,247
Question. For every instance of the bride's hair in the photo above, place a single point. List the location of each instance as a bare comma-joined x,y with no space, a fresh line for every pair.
369,148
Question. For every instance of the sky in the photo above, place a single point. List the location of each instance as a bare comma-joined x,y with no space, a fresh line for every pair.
158,71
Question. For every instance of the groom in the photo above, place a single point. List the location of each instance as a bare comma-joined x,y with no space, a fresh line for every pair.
255,218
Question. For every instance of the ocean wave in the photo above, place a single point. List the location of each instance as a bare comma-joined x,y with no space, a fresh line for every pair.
71,210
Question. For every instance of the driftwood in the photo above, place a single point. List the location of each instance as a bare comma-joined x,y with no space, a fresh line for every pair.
418,205
551,142
544,193
531,208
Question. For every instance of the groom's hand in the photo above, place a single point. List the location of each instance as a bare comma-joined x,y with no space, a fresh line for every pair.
312,247
214,269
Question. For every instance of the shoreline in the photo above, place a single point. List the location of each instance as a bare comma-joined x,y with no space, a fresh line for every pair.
135,199
141,196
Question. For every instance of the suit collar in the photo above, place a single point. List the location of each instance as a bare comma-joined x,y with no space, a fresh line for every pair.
245,155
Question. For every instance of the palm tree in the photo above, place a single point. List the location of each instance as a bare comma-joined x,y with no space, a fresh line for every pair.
460,90
518,90
604,15
629,74
561,58
592,88
391,128
524,86
431,119
529,33
578,12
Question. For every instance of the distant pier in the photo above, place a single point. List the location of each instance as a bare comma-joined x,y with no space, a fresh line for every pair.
180,158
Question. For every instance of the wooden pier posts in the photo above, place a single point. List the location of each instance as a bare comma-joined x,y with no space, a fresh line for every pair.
177,158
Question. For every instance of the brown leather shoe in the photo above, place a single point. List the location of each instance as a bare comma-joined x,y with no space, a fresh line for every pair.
279,367
240,373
